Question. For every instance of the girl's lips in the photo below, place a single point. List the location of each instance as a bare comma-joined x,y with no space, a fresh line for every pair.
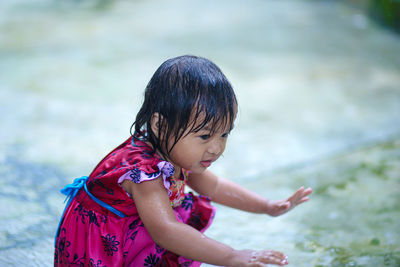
206,163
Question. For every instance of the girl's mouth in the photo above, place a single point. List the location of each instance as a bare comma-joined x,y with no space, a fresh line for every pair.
206,163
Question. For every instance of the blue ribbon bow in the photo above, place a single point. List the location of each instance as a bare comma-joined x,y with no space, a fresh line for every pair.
72,189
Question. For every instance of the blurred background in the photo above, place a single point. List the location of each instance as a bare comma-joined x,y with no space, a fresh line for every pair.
318,84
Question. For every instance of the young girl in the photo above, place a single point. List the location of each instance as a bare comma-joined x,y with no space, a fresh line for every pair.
133,210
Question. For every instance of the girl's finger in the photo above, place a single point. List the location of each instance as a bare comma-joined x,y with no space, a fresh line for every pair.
304,195
297,194
258,264
273,260
307,191
304,199
272,257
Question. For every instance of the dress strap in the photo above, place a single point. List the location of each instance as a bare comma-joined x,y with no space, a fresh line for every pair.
103,204
72,189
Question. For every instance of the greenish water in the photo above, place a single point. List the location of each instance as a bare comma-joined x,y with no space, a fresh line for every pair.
318,88
352,219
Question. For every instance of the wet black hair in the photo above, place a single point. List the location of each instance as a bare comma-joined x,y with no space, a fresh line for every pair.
187,91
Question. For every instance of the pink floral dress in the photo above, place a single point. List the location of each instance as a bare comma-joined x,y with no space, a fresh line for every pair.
101,226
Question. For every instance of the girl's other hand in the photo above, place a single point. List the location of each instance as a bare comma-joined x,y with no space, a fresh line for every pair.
252,258
279,207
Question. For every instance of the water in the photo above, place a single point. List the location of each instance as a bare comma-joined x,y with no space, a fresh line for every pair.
318,87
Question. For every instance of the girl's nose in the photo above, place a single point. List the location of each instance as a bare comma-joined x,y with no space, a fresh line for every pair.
216,147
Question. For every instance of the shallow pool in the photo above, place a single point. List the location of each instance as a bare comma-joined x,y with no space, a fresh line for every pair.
318,88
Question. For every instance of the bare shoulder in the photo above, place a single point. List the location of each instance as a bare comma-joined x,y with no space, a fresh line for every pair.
145,188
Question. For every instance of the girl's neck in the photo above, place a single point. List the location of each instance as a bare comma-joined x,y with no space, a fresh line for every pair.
177,170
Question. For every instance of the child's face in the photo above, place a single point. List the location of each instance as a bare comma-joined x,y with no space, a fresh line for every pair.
196,151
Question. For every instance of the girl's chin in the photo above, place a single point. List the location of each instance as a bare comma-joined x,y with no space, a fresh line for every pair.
198,170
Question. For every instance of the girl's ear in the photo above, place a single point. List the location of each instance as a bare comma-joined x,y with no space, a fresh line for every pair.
155,123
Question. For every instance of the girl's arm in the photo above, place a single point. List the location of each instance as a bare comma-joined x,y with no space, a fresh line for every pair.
230,194
154,209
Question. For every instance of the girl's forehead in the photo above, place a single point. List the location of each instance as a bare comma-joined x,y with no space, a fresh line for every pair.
200,123
220,120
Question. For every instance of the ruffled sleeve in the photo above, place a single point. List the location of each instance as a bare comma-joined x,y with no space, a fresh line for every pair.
140,174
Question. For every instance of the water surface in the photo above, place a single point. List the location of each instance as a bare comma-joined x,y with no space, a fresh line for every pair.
318,88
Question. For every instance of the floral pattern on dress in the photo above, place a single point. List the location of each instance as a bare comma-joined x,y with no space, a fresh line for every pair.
110,244
187,202
63,244
175,187
151,261
105,239
135,175
89,215
98,263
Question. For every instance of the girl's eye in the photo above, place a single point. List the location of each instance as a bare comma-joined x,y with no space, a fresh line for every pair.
205,136
225,135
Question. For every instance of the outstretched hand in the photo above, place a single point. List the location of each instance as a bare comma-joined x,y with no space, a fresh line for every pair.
252,258
279,207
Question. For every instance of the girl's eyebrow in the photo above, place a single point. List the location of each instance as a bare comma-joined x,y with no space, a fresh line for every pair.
208,129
